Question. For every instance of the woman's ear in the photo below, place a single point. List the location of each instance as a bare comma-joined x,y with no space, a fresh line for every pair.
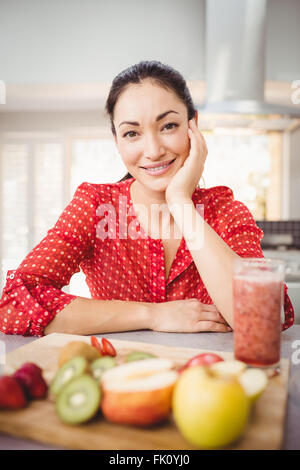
196,117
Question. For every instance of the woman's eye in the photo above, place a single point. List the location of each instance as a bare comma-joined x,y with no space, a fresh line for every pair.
129,132
170,125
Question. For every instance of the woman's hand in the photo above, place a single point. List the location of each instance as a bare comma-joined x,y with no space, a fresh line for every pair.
187,316
184,182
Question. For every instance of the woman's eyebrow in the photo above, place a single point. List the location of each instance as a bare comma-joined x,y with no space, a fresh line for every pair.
159,117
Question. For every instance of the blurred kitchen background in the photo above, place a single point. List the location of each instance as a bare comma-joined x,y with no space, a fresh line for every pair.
241,59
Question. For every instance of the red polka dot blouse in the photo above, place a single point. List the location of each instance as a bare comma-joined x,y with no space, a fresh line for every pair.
98,232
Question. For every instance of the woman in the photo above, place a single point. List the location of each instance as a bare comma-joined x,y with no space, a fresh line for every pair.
143,276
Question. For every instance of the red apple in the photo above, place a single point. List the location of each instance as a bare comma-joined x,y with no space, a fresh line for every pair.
203,359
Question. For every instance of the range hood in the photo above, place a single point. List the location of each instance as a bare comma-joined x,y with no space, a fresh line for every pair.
235,69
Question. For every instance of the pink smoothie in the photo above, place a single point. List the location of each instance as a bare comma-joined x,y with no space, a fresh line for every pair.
257,321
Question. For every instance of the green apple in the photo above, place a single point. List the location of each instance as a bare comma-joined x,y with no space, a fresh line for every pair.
210,411
254,382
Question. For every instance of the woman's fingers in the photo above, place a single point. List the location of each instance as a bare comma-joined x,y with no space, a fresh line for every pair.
210,312
213,326
209,307
199,138
189,315
211,316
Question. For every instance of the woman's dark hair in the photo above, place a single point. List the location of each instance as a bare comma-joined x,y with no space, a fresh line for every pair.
162,74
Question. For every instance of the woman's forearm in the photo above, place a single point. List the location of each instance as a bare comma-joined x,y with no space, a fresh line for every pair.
212,256
85,316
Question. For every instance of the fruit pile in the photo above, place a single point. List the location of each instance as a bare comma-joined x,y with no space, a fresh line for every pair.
82,384
26,384
210,398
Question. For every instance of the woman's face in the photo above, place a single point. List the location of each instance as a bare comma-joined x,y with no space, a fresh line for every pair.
151,125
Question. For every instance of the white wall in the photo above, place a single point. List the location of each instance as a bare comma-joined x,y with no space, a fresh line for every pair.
92,40
283,39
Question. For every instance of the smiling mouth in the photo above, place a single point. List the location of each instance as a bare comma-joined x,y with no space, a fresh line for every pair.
159,167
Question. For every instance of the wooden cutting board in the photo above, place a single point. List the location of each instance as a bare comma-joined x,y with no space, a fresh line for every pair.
39,422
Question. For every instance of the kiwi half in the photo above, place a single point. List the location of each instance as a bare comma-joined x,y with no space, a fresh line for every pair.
100,365
71,369
79,400
137,356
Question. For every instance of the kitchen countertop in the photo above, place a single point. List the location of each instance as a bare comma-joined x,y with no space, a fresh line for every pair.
213,341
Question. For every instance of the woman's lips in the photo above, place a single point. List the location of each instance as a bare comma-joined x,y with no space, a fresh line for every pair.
160,170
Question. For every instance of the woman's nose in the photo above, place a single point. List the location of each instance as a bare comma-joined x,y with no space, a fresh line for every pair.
153,147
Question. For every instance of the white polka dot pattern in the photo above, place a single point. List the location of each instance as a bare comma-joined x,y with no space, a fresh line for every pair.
117,268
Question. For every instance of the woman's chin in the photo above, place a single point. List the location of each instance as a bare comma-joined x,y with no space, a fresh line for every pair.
158,183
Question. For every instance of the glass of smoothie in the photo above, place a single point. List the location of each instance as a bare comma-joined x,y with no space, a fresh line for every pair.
257,302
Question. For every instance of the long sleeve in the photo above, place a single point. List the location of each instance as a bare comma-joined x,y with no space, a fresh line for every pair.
33,295
235,224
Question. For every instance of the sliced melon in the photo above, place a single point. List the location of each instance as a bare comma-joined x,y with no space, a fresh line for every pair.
138,393
229,369
140,375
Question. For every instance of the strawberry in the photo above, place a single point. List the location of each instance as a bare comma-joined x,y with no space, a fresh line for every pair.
11,393
31,368
31,378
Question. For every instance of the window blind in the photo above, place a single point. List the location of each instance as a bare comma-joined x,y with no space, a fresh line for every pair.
38,178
